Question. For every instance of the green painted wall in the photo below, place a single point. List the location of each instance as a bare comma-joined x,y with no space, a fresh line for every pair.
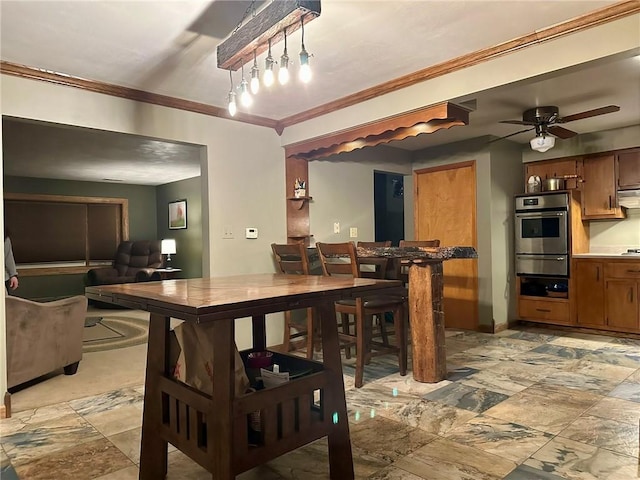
142,224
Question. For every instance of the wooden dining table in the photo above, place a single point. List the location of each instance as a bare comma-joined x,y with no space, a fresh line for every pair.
212,429
426,314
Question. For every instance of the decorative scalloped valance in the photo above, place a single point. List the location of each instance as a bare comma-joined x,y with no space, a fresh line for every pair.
424,120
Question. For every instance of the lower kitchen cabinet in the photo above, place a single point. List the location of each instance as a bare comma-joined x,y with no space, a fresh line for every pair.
607,293
538,302
589,286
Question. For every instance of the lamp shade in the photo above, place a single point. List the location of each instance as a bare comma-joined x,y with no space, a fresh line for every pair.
542,143
168,246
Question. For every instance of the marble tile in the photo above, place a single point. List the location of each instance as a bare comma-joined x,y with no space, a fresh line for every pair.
629,342
432,417
497,382
534,337
128,442
515,344
129,473
107,402
465,397
524,472
27,419
496,352
617,409
578,461
505,439
549,360
547,408
375,399
121,419
88,460
605,433
47,437
406,384
579,381
614,357
561,351
459,373
455,345
466,359
582,341
519,372
8,473
634,377
628,391
602,370
394,473
387,439
447,460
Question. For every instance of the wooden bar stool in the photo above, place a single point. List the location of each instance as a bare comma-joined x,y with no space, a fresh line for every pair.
341,259
292,259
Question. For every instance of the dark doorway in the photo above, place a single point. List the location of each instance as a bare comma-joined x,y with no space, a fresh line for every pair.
388,193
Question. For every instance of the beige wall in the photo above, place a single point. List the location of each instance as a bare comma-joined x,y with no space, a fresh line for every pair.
616,233
242,169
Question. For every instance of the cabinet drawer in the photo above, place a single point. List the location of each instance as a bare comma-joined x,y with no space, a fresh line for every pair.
544,310
622,270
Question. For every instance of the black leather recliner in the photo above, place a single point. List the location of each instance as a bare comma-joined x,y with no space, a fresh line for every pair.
134,262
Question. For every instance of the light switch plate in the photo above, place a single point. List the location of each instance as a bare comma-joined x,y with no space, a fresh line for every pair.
336,227
251,232
353,232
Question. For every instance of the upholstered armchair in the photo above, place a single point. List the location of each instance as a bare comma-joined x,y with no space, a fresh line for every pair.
43,337
133,262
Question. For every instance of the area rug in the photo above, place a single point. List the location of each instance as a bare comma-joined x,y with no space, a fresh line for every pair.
113,331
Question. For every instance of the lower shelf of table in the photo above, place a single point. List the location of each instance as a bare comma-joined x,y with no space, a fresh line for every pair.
289,416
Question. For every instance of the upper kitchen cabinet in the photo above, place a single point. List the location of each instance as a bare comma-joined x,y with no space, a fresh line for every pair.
556,169
628,169
599,188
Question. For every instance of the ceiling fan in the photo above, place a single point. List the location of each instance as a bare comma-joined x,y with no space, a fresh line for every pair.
545,120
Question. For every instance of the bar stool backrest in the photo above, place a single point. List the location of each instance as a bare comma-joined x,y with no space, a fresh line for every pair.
338,259
291,257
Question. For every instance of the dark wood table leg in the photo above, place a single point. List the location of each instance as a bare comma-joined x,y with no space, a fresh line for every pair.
153,451
427,322
220,414
259,332
340,457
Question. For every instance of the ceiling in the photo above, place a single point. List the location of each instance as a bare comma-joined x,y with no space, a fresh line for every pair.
356,45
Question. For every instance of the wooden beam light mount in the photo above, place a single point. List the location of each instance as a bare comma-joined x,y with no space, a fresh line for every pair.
252,38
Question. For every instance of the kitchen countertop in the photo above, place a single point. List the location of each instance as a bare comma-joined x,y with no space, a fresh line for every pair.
606,255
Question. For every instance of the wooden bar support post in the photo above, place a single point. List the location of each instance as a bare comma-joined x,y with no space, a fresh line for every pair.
427,322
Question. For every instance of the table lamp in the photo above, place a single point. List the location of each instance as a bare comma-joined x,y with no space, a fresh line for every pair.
168,247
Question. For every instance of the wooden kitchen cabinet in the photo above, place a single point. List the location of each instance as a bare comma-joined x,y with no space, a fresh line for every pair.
555,168
589,285
622,304
599,188
628,169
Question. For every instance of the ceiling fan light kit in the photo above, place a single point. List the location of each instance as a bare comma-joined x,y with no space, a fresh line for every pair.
544,121
266,27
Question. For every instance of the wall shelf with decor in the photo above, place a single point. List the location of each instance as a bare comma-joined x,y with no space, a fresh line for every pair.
299,201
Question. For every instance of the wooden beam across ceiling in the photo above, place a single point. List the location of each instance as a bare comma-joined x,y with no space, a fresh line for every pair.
268,24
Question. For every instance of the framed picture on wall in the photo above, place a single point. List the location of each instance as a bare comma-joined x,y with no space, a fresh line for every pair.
177,214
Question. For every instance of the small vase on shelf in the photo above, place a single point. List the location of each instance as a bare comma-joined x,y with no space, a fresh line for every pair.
299,192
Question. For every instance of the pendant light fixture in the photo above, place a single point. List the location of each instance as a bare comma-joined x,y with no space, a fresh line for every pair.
305,69
283,71
255,76
232,98
268,68
542,143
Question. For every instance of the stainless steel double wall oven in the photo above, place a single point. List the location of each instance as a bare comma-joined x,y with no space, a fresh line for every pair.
542,234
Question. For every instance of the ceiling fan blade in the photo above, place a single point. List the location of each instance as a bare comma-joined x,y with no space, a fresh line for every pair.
561,132
510,135
590,113
517,122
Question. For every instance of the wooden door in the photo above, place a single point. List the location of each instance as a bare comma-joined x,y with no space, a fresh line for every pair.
589,292
445,208
622,304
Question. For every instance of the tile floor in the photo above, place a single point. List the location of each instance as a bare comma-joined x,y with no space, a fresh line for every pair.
528,403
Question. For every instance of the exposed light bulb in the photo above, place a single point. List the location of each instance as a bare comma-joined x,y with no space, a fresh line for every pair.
245,96
255,79
283,71
268,69
305,69
233,108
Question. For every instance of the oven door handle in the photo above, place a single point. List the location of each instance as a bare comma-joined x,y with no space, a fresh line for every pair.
543,257
540,214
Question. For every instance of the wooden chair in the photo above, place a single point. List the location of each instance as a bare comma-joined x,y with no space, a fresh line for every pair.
403,270
373,267
342,259
292,259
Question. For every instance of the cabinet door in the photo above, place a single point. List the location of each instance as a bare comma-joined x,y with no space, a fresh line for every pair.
555,168
622,304
629,169
599,188
589,292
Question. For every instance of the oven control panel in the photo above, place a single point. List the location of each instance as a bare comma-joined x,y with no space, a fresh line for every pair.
555,201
